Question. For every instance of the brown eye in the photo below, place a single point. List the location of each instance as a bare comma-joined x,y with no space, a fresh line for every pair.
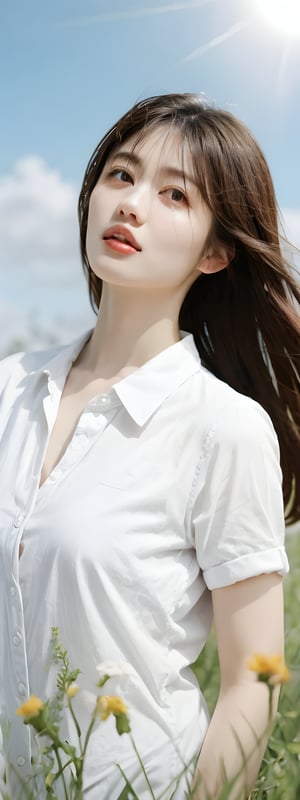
121,175
177,195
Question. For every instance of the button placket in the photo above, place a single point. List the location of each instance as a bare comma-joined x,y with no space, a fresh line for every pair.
18,520
88,428
18,641
23,497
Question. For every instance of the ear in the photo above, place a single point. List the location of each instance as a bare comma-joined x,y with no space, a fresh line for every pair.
217,258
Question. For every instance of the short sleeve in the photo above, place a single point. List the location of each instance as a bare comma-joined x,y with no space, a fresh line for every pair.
237,516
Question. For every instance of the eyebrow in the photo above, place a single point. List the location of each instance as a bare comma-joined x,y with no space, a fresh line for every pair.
132,158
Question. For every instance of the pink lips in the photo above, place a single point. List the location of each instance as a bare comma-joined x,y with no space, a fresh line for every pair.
126,244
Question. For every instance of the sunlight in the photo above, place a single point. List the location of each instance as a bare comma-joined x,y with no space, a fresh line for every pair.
284,14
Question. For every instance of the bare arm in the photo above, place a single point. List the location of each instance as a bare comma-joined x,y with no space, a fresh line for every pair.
248,618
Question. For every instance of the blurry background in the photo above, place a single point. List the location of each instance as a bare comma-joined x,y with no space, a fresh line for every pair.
69,69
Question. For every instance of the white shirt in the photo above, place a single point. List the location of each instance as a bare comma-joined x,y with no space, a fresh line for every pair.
170,487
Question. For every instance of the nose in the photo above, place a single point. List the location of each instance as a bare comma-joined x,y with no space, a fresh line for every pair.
135,203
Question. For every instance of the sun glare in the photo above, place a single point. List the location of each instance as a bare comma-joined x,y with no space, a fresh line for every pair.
284,14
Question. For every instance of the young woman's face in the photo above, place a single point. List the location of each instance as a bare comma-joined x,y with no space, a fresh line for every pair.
147,223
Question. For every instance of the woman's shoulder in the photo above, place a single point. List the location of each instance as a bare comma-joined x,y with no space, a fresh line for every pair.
222,396
24,362
230,413
17,366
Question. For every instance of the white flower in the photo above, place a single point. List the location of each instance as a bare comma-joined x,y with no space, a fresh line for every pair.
114,668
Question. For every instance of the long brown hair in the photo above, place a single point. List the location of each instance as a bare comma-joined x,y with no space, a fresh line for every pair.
244,319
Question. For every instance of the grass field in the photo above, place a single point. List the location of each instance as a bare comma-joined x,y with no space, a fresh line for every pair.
279,777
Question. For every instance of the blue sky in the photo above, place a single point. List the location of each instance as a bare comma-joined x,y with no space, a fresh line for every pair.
69,70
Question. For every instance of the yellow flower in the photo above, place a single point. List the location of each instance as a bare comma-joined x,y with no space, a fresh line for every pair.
31,708
270,668
72,690
107,705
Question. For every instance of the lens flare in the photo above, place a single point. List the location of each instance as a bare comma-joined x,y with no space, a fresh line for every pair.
283,14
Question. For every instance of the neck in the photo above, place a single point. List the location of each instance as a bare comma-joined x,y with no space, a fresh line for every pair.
130,330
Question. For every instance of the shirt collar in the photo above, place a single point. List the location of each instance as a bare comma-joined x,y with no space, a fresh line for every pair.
145,389
60,363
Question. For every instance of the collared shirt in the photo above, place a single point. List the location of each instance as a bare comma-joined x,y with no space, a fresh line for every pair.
169,488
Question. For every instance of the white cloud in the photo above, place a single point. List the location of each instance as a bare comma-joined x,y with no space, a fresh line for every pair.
291,222
43,294
38,222
33,329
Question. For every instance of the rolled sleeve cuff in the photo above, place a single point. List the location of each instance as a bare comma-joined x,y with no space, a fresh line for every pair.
246,566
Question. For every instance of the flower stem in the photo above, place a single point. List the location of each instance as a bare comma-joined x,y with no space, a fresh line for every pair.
88,734
78,731
270,702
61,771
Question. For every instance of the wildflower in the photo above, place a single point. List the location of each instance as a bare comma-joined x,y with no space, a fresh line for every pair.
270,669
115,668
31,708
107,705
112,669
72,690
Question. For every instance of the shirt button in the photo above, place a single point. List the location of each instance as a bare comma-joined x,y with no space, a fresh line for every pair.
22,689
18,521
12,591
17,638
20,761
104,400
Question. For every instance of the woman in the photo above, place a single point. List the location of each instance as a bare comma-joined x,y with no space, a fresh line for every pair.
141,482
